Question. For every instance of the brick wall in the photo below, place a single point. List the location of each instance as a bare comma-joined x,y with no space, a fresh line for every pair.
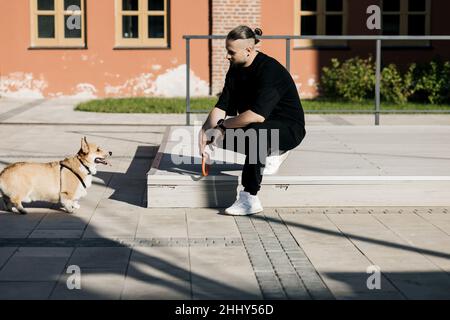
226,15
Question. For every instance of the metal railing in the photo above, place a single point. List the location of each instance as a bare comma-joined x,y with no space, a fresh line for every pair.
377,110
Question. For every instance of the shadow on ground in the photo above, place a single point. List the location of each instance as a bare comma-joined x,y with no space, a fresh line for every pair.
131,187
36,267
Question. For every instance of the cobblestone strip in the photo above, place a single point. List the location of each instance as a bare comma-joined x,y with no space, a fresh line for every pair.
281,267
298,259
121,242
268,281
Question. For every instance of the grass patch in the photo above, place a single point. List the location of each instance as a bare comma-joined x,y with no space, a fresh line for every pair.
178,105
368,105
146,105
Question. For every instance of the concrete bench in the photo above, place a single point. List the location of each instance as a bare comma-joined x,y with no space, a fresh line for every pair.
334,166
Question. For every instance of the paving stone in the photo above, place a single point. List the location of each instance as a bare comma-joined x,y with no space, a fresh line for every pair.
157,264
5,254
96,284
136,289
222,273
38,268
28,290
101,258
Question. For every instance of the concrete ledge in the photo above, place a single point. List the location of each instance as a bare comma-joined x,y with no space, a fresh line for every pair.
388,177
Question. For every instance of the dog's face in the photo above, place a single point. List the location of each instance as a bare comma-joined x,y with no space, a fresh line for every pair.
92,153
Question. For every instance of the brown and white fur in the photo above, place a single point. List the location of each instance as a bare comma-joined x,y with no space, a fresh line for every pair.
28,181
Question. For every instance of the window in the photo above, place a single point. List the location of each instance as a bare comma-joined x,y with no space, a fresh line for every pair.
406,17
320,17
57,23
142,23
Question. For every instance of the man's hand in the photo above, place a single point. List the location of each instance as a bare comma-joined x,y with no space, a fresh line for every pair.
210,136
202,139
210,123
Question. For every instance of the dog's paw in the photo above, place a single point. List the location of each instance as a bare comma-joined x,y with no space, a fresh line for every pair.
69,209
76,205
19,211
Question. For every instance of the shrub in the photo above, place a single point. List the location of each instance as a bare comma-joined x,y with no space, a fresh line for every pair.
329,79
396,88
432,80
353,80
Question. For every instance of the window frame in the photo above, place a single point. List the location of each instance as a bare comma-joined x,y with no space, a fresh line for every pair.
142,41
321,14
404,15
59,41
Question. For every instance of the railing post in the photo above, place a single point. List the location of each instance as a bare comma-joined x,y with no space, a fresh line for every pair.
288,54
188,82
377,83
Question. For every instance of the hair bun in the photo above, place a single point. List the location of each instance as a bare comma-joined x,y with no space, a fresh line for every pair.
258,32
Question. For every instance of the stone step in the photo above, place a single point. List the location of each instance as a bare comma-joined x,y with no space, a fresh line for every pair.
334,166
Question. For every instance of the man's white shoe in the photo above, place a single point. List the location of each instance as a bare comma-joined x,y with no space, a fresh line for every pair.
246,204
273,162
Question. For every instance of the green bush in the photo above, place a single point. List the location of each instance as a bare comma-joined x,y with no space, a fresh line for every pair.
329,79
353,80
432,81
396,88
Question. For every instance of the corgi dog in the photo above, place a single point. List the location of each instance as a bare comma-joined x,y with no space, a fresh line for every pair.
63,182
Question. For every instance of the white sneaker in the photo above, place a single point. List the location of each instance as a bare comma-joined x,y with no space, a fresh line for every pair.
273,162
246,204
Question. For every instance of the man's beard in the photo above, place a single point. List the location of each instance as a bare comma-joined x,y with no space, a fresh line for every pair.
237,64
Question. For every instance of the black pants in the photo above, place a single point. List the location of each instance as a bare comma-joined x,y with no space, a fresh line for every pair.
288,134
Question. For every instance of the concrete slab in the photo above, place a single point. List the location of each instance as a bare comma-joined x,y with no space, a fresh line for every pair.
222,273
158,273
96,284
344,166
398,259
5,254
208,223
35,264
156,290
439,220
101,258
341,265
26,290
173,224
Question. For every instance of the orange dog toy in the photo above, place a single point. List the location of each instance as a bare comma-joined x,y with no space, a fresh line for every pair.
205,158
205,167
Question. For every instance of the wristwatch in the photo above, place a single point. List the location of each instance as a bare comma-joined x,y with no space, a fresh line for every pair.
220,124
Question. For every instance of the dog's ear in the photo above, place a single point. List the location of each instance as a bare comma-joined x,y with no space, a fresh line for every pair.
84,145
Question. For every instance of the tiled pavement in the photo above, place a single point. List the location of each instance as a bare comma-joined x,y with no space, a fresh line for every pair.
126,251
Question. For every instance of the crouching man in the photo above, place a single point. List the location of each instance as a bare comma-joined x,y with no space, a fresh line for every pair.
261,95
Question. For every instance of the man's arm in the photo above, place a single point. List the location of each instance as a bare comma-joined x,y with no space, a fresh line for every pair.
243,120
211,122
215,115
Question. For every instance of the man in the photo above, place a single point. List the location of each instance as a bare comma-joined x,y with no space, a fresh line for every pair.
262,96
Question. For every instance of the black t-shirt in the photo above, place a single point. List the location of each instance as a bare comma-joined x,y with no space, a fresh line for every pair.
265,87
